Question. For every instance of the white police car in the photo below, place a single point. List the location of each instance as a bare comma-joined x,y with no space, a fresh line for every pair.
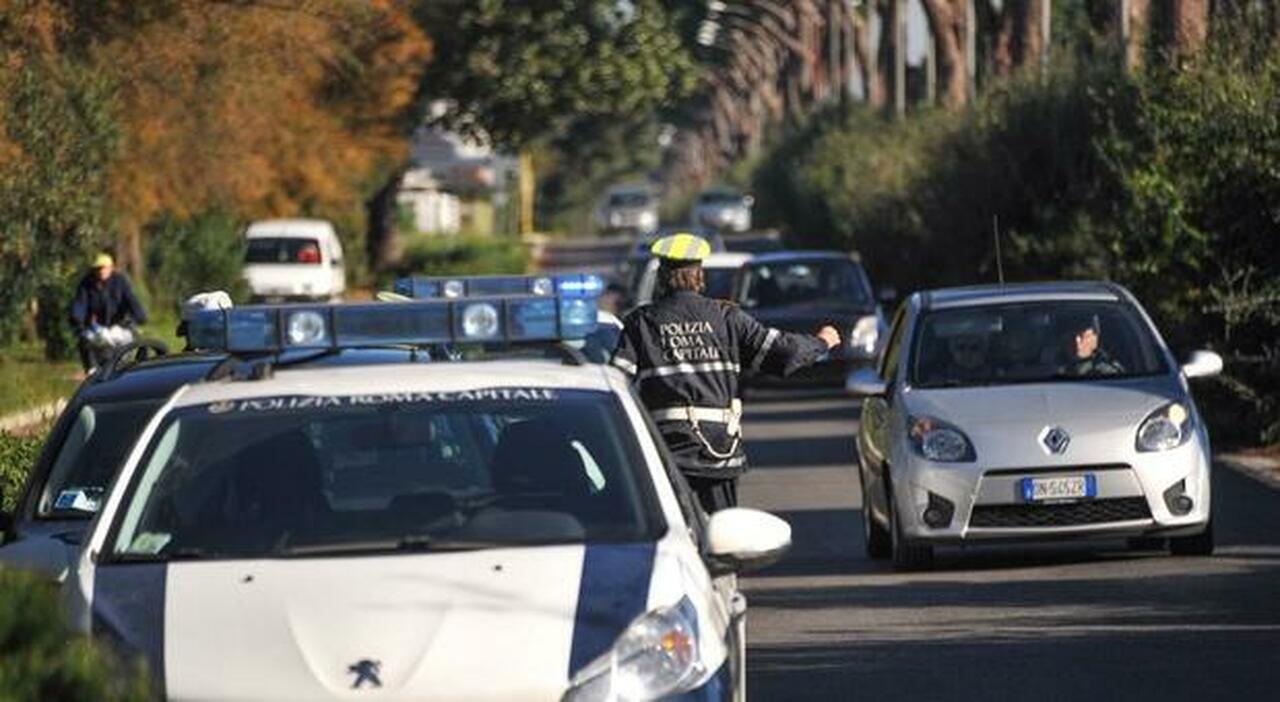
473,530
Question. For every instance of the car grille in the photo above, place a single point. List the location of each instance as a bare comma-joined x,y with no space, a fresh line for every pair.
1065,514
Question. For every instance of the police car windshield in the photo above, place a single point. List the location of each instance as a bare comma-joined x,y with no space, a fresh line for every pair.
90,451
804,282
289,476
1032,342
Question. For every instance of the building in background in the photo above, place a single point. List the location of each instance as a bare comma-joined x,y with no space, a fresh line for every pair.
455,184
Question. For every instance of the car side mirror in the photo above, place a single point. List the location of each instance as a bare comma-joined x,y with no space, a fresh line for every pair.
887,295
866,382
1202,364
740,539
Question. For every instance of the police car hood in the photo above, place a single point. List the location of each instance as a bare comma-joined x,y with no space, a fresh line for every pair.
500,624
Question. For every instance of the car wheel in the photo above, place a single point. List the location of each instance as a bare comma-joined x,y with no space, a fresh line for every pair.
878,540
1199,545
906,554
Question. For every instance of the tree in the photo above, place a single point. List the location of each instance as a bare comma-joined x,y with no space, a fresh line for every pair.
948,23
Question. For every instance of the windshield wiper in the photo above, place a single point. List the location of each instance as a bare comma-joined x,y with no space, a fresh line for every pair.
415,543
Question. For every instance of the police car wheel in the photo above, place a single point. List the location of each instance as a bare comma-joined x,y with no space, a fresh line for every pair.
907,556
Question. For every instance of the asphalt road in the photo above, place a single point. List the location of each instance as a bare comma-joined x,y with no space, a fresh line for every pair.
1087,621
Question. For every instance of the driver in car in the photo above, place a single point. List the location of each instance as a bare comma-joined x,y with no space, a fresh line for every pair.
1086,354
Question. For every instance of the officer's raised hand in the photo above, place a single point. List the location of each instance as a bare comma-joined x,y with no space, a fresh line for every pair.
830,336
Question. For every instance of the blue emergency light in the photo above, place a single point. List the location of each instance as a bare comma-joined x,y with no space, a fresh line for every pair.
572,285
521,317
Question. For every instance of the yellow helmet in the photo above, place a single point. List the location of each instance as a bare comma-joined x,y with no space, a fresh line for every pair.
103,259
682,247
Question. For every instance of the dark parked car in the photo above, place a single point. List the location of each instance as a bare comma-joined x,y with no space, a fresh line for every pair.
92,438
802,291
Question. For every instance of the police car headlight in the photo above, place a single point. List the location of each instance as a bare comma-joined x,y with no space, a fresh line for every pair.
865,335
1167,428
306,328
938,441
480,321
655,657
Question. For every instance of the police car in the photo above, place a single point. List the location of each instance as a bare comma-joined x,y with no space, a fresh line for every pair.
502,526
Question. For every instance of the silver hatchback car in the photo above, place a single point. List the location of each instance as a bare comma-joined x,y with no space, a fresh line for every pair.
1030,412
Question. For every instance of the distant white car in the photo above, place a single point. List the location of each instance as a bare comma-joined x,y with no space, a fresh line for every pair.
723,210
294,260
628,208
720,270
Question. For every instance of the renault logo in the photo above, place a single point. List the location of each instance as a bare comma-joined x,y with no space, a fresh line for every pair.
366,671
1055,439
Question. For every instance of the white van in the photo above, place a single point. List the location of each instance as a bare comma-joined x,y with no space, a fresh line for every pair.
294,259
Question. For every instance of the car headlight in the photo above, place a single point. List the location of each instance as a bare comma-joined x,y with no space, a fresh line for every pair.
938,441
656,656
648,219
865,335
1167,428
615,219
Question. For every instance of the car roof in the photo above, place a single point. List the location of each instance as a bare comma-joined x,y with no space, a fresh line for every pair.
803,255
446,376
288,228
976,295
726,259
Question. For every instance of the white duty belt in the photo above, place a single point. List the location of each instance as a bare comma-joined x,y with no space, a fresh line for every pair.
730,416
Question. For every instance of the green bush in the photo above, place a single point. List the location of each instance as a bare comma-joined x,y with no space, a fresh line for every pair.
17,455
1166,181
43,661
185,257
463,255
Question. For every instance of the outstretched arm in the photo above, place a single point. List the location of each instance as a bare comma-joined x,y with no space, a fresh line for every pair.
775,352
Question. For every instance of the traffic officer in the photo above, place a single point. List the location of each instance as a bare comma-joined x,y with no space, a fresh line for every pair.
685,352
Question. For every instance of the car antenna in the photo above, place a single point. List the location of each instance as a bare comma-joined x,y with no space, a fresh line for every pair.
995,232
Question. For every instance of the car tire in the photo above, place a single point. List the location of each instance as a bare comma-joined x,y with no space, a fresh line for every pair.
1199,545
879,541
907,555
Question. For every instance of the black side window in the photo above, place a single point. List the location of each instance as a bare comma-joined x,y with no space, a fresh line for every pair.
893,350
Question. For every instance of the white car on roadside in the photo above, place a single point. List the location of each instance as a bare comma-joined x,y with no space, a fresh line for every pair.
294,260
501,526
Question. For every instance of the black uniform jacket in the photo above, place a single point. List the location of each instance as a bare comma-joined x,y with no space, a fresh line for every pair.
687,351
107,303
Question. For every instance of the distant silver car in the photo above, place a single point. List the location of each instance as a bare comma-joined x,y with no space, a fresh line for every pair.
628,208
723,210
1036,412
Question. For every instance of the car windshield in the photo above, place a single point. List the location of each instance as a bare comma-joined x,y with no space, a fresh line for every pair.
304,475
796,282
91,451
719,282
628,200
720,199
282,250
1032,342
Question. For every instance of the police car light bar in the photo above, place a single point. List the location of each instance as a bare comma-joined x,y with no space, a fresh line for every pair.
572,285
273,328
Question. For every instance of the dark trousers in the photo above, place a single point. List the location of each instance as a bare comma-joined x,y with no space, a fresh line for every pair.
715,494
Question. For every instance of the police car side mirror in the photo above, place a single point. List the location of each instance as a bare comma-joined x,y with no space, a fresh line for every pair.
865,382
741,539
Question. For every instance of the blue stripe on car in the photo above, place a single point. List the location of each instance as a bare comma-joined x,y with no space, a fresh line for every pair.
613,591
128,611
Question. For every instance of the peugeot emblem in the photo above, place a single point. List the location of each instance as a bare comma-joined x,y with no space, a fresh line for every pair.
1055,439
366,671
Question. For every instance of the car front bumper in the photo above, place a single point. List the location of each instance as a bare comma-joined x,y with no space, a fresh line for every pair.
1136,496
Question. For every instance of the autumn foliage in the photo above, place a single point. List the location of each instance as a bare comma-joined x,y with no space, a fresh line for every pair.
127,111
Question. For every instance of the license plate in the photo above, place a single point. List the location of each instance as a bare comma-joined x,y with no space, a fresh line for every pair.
1073,487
